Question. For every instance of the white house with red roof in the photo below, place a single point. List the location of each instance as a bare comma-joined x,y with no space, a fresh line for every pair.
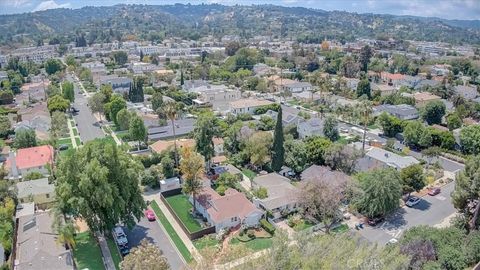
228,211
27,160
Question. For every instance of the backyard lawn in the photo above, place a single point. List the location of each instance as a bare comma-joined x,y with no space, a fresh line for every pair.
255,244
249,173
302,226
66,141
171,232
182,208
87,252
206,241
117,258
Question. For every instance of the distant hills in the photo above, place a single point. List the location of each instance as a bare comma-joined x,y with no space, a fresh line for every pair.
103,24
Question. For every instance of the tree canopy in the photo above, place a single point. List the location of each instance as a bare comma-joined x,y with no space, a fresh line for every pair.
100,184
433,112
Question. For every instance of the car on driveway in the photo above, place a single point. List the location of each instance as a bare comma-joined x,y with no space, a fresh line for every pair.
434,191
374,221
150,215
412,201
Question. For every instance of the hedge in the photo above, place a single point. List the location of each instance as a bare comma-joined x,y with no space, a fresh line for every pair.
267,226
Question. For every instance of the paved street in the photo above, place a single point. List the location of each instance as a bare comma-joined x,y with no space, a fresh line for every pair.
87,123
430,211
151,231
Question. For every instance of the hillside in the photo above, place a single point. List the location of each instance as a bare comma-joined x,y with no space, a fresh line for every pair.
102,24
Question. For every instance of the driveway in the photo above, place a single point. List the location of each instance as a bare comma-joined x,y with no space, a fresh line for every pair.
151,231
86,123
430,211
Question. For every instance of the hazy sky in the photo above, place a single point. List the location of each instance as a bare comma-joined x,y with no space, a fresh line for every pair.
449,9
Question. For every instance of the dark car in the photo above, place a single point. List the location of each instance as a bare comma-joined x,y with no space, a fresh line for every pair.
63,147
75,110
434,191
374,221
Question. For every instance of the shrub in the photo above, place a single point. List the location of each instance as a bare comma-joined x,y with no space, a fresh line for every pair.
267,226
250,234
33,176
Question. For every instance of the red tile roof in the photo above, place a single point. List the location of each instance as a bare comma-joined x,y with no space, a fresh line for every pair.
33,157
392,76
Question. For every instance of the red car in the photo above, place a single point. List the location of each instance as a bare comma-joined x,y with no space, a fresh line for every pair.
434,191
150,215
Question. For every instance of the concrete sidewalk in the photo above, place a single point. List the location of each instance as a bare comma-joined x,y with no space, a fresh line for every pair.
188,243
107,256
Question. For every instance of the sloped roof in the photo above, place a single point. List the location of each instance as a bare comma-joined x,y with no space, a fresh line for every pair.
33,157
34,187
280,191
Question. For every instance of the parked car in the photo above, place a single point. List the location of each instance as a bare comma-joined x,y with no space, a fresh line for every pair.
374,221
75,110
434,191
150,215
412,201
63,147
392,241
119,236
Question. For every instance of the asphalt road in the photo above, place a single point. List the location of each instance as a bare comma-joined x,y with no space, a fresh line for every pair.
430,211
151,231
86,123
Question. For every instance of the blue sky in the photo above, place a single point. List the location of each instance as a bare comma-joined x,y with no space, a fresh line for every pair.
449,9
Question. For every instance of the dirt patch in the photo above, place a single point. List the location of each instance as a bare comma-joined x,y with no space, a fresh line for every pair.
81,225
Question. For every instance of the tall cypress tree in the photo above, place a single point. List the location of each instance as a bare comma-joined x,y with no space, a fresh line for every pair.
278,150
181,78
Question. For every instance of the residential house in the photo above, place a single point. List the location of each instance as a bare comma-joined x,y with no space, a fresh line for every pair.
231,210
422,98
401,111
261,69
310,127
307,96
383,89
247,105
162,145
392,79
32,92
182,128
291,86
37,247
324,173
143,68
218,146
190,85
379,158
467,92
288,117
281,194
39,191
119,84
27,160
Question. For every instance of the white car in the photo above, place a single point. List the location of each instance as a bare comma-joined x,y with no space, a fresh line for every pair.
412,201
392,241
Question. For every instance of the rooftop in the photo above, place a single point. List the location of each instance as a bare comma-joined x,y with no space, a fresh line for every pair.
390,158
33,157
34,187
279,189
243,103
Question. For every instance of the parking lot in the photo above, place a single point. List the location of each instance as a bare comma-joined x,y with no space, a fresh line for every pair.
431,210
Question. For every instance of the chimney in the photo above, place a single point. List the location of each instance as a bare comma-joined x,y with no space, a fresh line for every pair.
13,164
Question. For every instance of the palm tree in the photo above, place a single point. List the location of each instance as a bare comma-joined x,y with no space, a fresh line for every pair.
66,234
365,111
170,110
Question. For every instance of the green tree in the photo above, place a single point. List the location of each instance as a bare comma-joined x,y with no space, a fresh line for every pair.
454,121
296,155
66,234
365,55
68,91
433,112
257,148
382,191
57,103
123,119
330,129
363,88
5,125
466,194
53,66
417,135
470,139
58,125
316,147
340,157
205,129
116,104
99,183
278,152
25,138
182,80
97,103
168,167
390,124
170,109
157,100
192,166
120,57
137,130
144,257
413,178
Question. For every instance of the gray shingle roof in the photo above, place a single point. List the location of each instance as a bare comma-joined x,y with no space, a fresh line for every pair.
34,187
280,191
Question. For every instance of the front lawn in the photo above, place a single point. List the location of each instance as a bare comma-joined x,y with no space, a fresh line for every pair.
183,209
87,253
255,244
117,258
171,232
249,173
